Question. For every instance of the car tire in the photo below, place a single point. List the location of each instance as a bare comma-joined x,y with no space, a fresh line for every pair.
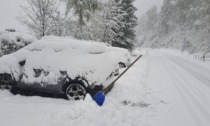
6,81
76,91
14,91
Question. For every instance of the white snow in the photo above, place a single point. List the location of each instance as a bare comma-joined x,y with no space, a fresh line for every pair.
164,88
12,41
184,88
11,38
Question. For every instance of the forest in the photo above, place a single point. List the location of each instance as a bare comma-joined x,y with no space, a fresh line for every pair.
180,24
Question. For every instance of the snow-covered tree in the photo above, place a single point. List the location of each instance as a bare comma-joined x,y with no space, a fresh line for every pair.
58,25
152,18
38,16
113,22
82,8
102,24
183,24
107,21
165,16
148,26
127,25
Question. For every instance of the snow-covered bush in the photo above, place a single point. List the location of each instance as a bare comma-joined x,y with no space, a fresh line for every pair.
13,41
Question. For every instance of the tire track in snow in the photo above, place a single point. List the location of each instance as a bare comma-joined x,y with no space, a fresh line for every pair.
201,87
184,98
191,100
202,77
175,113
197,100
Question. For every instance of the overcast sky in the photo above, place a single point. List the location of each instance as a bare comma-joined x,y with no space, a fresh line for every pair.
144,5
8,13
9,9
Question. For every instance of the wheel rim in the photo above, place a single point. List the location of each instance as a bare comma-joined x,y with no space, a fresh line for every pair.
75,92
5,82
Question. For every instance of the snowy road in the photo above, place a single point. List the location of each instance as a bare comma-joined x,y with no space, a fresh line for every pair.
164,88
188,84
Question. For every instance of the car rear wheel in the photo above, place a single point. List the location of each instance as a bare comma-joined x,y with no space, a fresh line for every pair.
6,81
76,91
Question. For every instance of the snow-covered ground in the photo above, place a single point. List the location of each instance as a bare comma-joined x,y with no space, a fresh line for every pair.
164,88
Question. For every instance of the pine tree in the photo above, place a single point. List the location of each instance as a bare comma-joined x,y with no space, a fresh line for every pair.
103,23
183,24
110,19
152,18
206,5
166,15
82,8
183,8
127,25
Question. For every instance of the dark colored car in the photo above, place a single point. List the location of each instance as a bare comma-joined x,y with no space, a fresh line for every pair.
62,66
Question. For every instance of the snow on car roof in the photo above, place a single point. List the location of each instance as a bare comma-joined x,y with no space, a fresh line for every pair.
59,44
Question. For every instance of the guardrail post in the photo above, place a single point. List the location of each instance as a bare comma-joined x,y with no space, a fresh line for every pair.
204,57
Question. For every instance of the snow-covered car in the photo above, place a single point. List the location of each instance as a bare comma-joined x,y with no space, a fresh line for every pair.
62,66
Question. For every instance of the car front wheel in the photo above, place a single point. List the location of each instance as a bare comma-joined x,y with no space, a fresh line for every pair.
6,81
76,91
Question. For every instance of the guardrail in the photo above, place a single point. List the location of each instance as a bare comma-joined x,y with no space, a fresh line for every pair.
202,57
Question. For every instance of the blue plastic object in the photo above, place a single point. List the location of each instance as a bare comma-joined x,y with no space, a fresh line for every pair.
99,98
